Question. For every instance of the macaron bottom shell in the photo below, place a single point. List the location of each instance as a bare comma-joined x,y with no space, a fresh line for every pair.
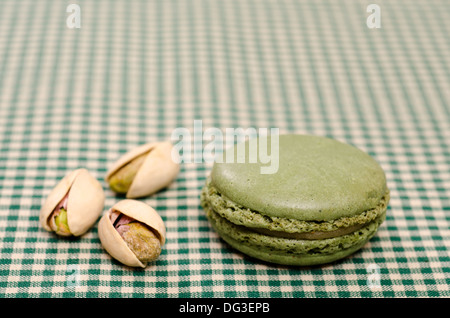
291,259
290,251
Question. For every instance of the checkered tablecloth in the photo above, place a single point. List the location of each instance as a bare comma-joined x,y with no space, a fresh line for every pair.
136,70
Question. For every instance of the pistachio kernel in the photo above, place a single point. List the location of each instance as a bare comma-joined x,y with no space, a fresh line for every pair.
142,242
60,225
121,180
140,238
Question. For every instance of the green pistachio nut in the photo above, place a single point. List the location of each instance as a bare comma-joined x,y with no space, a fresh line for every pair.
61,225
143,242
121,180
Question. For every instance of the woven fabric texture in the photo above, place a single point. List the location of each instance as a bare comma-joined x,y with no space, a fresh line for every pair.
137,70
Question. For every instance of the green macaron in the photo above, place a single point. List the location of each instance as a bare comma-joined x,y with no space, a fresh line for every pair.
325,201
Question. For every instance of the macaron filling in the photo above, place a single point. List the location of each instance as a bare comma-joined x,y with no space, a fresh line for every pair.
310,235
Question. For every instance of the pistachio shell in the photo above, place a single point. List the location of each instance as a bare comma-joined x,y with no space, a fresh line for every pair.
111,240
156,172
84,205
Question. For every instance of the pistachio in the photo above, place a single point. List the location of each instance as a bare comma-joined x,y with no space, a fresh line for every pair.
140,238
121,180
132,232
143,242
143,170
60,226
74,205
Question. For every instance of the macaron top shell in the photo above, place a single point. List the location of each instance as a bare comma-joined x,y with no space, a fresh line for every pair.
319,179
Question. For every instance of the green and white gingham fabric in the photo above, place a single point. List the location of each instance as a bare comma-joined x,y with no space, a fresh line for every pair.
136,70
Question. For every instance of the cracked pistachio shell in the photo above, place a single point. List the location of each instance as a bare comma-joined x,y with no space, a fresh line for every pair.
84,203
111,240
156,172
